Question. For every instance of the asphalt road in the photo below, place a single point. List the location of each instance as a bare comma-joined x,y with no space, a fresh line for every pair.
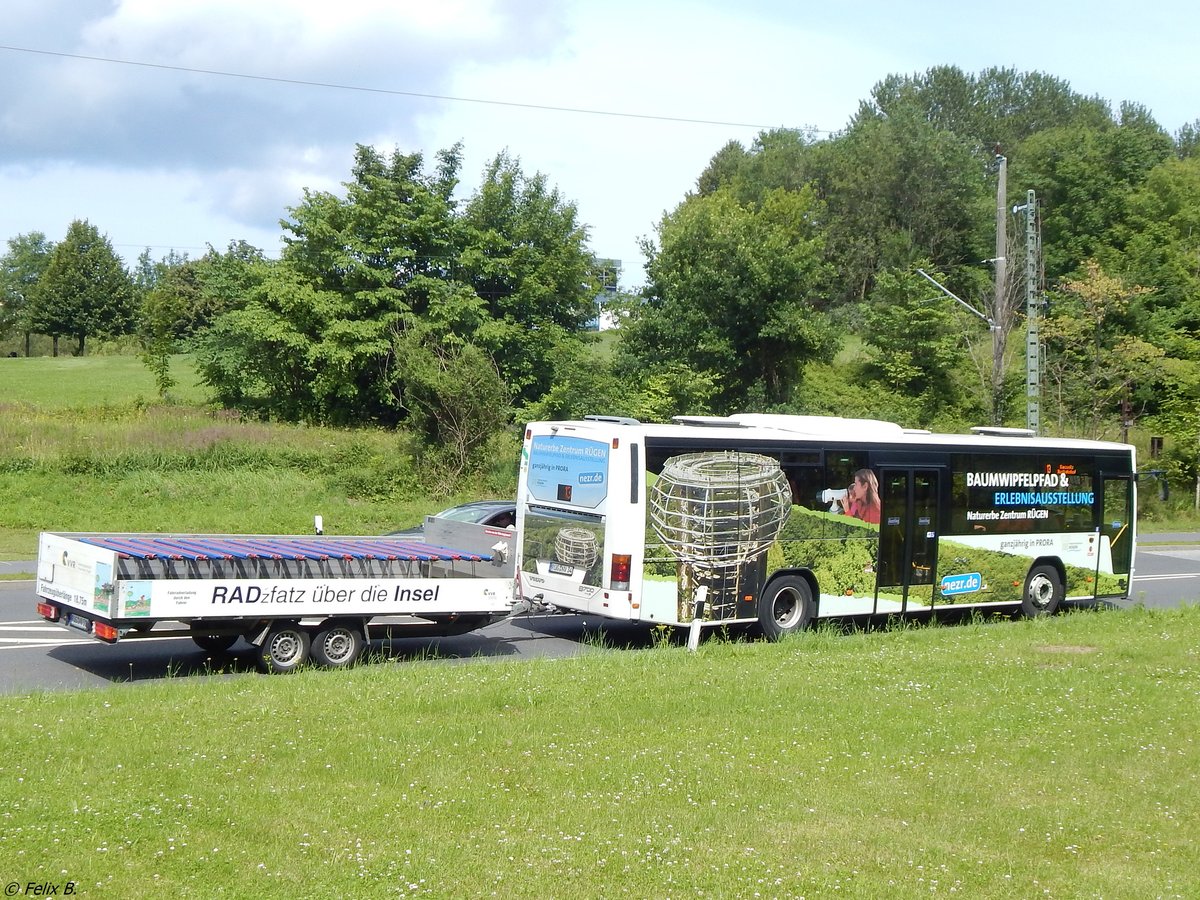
36,655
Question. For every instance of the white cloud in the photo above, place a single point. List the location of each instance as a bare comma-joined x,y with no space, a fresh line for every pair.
160,209
624,171
172,158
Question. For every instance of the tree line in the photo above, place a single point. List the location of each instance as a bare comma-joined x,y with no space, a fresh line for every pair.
794,277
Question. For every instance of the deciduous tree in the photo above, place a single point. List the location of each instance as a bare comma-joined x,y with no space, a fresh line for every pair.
1085,178
917,338
455,397
524,255
1158,243
85,290
1092,362
396,267
735,292
21,268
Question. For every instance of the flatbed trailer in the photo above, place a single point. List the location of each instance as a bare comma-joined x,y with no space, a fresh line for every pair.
292,597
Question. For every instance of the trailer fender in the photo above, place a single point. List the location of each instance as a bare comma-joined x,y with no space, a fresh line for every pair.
257,633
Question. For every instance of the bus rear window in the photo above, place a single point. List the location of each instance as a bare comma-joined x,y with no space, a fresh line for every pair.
568,470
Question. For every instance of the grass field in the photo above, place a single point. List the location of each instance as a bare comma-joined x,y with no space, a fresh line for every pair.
1052,758
178,468
91,381
84,446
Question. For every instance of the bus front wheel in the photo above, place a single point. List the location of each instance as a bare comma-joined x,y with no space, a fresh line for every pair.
786,606
1043,592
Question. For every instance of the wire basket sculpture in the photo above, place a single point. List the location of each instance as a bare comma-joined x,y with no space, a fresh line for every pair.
717,513
576,547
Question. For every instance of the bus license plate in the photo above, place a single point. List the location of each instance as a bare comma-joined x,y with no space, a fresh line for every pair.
557,568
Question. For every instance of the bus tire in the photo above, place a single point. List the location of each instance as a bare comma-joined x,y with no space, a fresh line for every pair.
1043,591
214,643
284,649
785,607
337,644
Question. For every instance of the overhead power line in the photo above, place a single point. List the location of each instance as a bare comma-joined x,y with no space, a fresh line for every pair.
394,92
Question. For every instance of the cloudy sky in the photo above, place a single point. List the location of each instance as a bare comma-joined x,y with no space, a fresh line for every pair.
175,124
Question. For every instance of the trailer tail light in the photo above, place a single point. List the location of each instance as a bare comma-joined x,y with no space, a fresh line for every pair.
106,632
619,573
48,611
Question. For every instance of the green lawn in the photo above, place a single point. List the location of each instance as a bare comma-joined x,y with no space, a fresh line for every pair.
86,446
91,381
1053,758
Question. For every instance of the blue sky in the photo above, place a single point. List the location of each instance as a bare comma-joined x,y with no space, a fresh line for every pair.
155,156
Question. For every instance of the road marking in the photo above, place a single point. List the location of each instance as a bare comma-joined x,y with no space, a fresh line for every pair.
40,633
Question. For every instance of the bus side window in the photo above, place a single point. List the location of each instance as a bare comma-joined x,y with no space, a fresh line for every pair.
807,488
839,472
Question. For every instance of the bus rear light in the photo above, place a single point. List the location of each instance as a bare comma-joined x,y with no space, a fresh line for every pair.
106,632
48,611
622,563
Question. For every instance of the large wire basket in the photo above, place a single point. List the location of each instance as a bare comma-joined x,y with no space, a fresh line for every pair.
719,509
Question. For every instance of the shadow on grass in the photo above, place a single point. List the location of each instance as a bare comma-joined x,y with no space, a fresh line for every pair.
149,659
524,637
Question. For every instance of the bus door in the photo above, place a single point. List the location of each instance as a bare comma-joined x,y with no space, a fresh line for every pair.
908,540
1116,524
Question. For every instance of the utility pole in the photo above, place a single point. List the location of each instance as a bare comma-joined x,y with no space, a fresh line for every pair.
999,315
1033,357
1000,321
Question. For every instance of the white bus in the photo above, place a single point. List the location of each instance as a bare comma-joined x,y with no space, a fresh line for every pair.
862,518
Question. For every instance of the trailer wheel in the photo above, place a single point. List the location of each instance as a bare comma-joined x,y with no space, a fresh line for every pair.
214,643
285,649
337,644
1043,592
786,606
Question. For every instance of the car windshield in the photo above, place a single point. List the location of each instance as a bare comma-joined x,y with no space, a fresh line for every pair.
466,513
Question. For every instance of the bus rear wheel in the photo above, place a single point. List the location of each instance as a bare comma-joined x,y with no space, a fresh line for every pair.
786,606
1043,592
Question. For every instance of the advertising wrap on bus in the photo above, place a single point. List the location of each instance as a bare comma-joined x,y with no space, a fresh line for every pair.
566,486
877,519
568,470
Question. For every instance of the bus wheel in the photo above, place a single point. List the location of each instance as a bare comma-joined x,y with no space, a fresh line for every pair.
785,607
214,643
284,650
1043,592
337,644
